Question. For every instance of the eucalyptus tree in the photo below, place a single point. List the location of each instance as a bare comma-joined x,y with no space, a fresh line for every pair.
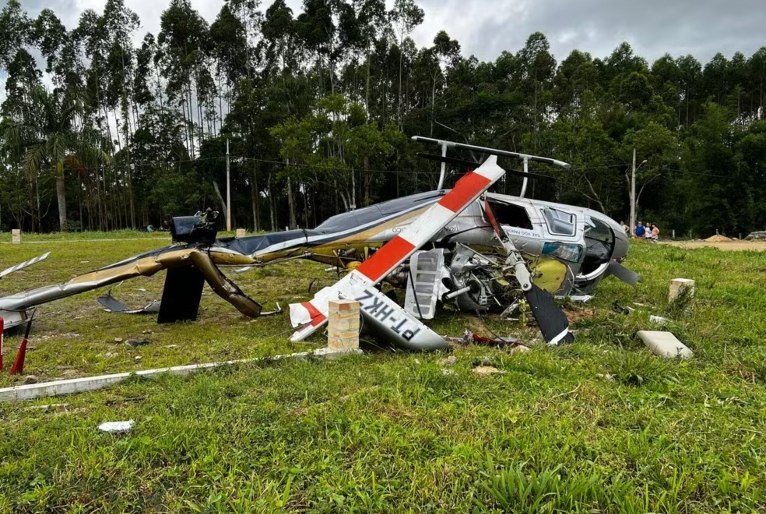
315,29
230,51
404,17
184,42
15,27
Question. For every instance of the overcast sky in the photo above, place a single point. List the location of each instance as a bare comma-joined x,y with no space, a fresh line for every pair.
487,27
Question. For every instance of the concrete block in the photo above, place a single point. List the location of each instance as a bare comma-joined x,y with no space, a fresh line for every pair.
16,236
241,232
678,286
343,325
664,344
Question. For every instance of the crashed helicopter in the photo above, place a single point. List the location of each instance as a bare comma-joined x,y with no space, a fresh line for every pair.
478,250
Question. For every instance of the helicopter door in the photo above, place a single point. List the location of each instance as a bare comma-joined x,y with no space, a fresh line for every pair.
599,247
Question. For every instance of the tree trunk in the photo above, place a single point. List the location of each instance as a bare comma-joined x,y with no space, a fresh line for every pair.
61,199
291,203
255,193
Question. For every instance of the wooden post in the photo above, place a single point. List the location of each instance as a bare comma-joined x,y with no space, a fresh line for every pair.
343,325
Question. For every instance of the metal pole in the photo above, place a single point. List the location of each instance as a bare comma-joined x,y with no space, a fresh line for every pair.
228,189
526,177
444,167
633,195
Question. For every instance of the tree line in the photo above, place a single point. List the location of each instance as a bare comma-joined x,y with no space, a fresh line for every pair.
98,133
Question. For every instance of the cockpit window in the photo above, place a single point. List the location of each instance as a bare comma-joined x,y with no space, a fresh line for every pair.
560,222
511,214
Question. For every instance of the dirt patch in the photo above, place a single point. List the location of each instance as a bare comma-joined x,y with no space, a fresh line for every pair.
730,245
718,238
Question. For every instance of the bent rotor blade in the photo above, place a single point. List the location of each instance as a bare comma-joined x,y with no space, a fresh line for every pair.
24,264
554,324
313,314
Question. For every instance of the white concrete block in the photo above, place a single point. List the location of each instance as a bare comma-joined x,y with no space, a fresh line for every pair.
241,232
664,344
15,236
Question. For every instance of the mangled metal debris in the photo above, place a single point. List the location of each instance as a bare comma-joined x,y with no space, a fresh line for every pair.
476,250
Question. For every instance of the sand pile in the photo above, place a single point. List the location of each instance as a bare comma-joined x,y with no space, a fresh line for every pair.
718,239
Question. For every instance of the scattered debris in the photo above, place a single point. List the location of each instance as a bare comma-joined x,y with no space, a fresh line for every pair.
30,379
664,344
448,361
137,342
579,313
447,372
147,332
469,337
606,376
487,370
581,298
519,349
171,346
619,309
117,427
47,407
137,358
759,235
117,340
658,320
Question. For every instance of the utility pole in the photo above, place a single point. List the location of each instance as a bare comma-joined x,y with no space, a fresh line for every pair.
228,187
633,194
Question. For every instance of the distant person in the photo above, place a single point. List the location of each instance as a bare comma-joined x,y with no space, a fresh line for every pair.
648,231
625,228
639,231
655,233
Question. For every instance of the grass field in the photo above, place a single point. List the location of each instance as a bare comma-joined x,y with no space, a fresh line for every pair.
600,425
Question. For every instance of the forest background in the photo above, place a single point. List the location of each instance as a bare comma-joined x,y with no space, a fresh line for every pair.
97,133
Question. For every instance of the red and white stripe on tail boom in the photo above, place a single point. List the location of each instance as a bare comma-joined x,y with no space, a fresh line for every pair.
313,314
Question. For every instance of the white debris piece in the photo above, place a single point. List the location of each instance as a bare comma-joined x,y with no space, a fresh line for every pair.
664,344
117,427
658,319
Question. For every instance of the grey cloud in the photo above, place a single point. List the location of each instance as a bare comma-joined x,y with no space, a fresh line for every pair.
652,27
487,27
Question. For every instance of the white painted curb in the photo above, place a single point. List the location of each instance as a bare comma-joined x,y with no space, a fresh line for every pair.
79,385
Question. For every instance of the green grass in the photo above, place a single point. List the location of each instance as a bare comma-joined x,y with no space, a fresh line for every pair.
600,425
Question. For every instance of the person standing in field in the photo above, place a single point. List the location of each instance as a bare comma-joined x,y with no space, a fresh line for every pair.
655,232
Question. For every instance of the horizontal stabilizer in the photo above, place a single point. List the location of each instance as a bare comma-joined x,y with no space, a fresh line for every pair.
623,273
112,304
